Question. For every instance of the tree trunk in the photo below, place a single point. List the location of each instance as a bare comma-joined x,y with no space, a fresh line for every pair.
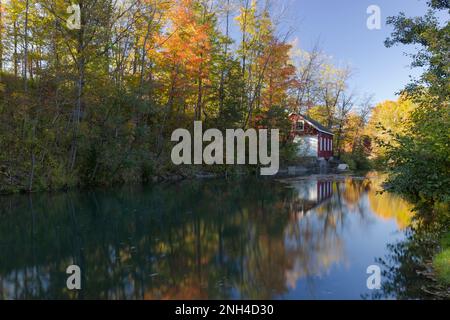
225,54
1,37
16,61
33,161
81,65
25,51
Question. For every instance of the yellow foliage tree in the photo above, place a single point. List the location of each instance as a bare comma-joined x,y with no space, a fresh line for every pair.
388,117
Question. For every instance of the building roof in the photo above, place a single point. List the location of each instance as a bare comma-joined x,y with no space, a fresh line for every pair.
315,124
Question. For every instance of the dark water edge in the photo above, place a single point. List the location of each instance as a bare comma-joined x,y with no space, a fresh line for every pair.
307,238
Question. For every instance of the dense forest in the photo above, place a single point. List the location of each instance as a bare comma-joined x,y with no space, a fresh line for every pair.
94,102
97,104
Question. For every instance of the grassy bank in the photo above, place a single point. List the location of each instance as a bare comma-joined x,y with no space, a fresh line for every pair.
441,261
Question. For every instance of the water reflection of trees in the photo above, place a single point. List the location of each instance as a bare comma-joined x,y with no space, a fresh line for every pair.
191,240
406,270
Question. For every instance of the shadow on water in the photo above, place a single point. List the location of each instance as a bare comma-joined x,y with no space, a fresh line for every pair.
305,238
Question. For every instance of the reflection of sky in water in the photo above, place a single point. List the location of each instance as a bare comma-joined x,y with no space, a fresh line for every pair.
333,265
301,239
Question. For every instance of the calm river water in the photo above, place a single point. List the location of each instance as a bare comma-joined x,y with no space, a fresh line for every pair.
304,238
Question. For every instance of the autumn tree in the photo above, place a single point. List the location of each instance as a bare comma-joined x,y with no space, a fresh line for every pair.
419,160
279,76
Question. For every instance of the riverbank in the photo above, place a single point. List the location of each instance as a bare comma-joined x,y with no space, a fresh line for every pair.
161,173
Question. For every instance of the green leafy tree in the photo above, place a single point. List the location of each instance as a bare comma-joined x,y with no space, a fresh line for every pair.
419,158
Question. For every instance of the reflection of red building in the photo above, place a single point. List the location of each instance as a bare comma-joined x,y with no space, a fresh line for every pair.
324,190
312,193
314,139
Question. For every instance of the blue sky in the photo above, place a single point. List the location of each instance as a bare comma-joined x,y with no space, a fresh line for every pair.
339,26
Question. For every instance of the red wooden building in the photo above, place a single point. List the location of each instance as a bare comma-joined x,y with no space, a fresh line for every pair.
314,139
